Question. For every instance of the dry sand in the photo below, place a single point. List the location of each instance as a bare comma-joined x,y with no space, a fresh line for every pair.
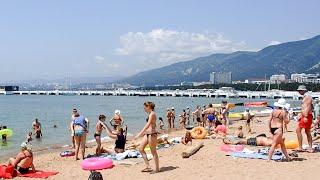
208,163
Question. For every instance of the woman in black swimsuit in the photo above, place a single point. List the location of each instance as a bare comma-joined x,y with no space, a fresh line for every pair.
149,134
120,137
277,118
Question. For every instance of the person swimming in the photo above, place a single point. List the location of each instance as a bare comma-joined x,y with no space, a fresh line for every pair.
4,136
36,125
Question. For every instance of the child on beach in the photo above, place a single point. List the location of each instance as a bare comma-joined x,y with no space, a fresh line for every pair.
97,134
4,137
29,137
161,123
238,133
248,117
187,138
182,121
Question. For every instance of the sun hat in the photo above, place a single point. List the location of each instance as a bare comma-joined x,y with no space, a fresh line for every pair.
172,108
26,145
302,88
117,112
281,103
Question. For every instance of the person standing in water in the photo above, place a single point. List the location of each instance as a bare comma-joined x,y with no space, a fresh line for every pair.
149,134
188,112
36,125
173,116
169,115
305,118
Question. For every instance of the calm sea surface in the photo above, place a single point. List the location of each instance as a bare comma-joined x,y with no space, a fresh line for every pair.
18,113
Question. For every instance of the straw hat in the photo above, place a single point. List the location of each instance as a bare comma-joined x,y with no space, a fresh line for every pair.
281,103
117,112
302,88
26,145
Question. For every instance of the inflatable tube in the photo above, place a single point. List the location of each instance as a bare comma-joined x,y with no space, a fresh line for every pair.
235,116
97,163
7,132
67,153
231,148
198,133
256,104
291,144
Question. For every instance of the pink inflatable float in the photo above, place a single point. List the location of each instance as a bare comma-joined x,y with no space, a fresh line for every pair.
93,164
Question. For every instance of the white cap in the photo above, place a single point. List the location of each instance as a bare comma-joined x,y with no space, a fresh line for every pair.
282,103
117,112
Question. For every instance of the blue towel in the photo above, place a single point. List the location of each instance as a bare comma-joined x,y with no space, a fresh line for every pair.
254,155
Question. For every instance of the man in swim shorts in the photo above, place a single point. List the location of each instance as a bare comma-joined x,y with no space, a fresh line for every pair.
260,140
305,118
211,114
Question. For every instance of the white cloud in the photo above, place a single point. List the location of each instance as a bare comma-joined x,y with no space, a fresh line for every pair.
99,59
166,46
274,43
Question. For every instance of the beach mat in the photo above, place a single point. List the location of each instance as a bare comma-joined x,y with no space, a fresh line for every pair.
38,174
254,155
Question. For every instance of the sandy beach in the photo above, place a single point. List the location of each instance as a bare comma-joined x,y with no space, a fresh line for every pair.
208,163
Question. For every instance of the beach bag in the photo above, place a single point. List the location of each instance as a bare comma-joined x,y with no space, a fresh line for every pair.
94,175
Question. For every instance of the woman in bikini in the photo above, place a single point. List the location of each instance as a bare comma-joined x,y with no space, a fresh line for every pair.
277,118
24,160
149,134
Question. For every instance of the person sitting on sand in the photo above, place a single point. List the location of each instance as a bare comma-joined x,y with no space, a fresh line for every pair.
116,121
120,138
278,117
187,138
161,123
248,117
29,137
97,134
239,133
24,160
219,130
260,140
36,125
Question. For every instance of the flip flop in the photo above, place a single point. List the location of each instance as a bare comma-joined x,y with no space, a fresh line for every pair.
294,154
299,150
146,170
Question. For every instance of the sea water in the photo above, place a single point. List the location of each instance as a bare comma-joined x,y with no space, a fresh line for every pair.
18,113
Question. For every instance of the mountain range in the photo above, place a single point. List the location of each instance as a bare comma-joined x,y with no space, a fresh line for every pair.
292,57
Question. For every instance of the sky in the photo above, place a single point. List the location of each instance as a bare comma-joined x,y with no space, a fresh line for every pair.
78,38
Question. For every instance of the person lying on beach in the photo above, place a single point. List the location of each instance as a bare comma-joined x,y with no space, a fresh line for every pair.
24,160
239,133
29,137
36,125
187,138
260,140
120,139
116,121
97,134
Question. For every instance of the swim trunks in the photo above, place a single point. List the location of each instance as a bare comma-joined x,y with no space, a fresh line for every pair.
252,141
211,118
306,125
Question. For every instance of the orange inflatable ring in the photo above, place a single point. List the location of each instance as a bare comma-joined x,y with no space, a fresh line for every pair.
198,133
291,144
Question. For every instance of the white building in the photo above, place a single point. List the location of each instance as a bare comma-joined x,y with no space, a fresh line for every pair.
278,78
221,77
306,78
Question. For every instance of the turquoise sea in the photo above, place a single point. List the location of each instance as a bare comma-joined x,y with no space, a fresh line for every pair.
18,113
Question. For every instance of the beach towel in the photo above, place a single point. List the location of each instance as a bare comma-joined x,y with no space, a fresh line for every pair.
38,174
255,155
125,155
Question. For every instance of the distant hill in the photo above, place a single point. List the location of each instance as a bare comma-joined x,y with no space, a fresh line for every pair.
287,58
